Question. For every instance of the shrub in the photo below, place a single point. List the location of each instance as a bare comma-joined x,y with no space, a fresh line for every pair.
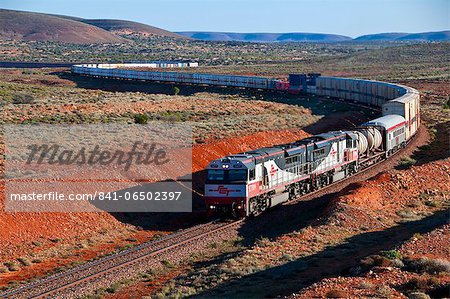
141,119
418,295
167,263
375,261
392,254
22,98
384,292
176,90
406,162
12,266
113,288
422,283
447,104
365,285
24,261
36,243
335,293
426,265
262,242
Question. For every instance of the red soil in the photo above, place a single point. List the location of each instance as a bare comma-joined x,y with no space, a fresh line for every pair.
375,204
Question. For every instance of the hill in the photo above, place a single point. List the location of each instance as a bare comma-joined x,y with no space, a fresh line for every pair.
265,37
127,27
423,36
21,25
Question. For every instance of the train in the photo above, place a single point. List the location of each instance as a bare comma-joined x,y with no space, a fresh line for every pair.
247,184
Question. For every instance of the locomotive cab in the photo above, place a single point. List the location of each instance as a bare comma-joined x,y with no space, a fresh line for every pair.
226,184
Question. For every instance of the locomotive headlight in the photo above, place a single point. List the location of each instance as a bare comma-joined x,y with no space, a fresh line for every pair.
212,207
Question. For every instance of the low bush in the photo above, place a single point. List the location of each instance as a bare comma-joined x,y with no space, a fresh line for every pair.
141,119
263,242
375,261
22,98
406,162
12,266
113,288
335,293
36,243
418,295
167,263
392,254
426,265
422,283
24,261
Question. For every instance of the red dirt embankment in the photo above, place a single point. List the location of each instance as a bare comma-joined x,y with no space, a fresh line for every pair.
25,234
389,199
382,196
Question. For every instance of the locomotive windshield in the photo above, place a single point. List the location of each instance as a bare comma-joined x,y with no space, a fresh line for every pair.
216,175
237,175
234,175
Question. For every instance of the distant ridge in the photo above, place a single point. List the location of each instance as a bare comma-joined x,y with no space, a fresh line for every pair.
423,36
265,37
314,37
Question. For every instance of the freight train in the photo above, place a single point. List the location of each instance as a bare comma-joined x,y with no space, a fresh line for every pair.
248,183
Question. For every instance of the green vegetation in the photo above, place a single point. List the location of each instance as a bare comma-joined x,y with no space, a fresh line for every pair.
392,254
24,261
426,265
141,119
12,266
176,90
406,162
447,104
22,98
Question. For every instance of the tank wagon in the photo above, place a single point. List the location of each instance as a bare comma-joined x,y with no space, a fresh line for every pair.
248,183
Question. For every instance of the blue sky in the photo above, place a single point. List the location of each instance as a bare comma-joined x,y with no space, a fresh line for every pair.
347,17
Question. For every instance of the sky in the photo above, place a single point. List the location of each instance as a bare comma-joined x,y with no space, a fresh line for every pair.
347,17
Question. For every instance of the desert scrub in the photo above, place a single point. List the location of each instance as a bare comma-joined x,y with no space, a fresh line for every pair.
392,254
36,243
406,162
12,266
426,265
446,105
141,119
24,261
167,263
263,242
22,98
335,293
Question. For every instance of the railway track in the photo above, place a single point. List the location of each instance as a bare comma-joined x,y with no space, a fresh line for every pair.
52,286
